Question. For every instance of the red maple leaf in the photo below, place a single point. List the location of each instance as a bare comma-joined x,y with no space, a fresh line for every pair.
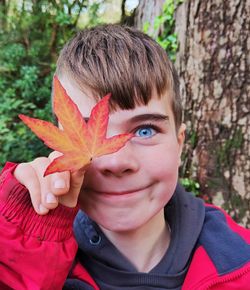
78,141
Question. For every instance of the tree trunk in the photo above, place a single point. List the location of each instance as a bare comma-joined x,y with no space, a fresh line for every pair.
213,63
146,12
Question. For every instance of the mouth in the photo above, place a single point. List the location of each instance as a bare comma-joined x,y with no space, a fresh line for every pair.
119,193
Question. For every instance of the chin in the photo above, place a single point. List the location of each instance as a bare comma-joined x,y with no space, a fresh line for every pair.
118,224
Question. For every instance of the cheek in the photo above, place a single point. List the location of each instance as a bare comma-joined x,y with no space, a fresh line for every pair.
163,162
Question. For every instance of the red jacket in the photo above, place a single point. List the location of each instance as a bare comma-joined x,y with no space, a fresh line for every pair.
28,241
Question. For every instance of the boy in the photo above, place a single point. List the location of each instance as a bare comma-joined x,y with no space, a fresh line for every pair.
137,228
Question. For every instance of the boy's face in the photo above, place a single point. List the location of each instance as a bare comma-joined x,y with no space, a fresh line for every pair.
122,191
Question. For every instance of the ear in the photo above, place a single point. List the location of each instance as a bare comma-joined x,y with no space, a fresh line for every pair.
181,138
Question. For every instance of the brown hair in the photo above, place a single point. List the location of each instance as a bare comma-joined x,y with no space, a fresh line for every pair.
122,61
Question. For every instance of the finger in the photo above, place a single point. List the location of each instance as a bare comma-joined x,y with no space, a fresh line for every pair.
76,181
27,176
66,185
60,182
48,199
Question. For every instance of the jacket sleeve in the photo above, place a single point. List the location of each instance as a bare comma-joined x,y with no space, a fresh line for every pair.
36,251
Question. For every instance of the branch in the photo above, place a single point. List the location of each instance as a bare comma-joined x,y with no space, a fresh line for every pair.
81,5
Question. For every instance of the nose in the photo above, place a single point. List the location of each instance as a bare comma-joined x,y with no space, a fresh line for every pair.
120,163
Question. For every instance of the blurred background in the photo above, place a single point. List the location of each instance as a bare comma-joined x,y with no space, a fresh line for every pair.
207,40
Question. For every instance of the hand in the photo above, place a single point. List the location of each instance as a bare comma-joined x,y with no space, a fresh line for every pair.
47,192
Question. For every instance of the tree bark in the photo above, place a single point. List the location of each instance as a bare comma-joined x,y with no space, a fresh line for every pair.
213,63
146,12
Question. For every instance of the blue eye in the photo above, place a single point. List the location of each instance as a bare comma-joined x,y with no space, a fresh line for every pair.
145,132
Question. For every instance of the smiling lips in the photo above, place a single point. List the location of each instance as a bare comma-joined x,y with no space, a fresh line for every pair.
115,193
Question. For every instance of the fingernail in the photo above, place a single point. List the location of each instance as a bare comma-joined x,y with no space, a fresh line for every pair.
42,209
59,183
50,198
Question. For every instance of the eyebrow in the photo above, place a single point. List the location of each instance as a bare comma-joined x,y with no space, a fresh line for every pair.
149,117
144,117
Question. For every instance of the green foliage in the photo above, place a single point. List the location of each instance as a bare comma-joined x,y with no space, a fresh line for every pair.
31,36
165,23
190,185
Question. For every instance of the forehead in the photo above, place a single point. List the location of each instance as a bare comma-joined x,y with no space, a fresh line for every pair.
86,101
